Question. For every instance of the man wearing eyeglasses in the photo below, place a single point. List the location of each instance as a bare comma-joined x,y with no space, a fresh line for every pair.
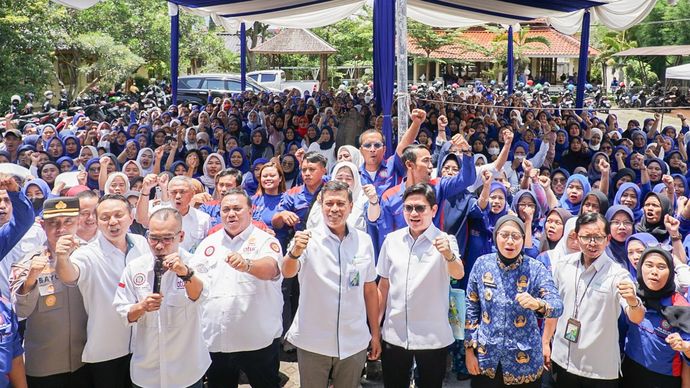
168,348
594,288
241,317
415,264
384,174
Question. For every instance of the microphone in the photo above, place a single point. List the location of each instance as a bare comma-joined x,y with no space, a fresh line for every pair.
157,274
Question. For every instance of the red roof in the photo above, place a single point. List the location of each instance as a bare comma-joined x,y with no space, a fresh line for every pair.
561,46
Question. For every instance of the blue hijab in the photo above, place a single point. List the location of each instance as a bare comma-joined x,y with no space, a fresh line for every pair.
492,218
647,240
244,167
249,182
92,183
46,146
537,211
176,163
73,155
574,208
66,159
38,205
637,211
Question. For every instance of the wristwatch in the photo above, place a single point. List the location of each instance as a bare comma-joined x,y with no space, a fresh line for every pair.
292,256
452,258
188,277
249,265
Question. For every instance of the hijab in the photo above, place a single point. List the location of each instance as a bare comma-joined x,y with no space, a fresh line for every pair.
647,241
677,316
491,217
257,150
292,175
658,229
249,182
37,203
112,177
562,245
564,215
66,159
616,250
600,197
327,145
149,170
92,183
518,222
637,211
574,208
359,200
208,181
75,154
244,167
355,155
537,210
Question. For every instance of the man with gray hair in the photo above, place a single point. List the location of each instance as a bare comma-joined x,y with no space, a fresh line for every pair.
195,223
158,295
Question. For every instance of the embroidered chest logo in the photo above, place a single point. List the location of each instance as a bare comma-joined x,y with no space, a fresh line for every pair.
522,283
139,279
209,251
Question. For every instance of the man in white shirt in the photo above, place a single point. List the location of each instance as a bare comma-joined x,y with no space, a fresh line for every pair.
594,288
168,348
87,225
415,264
96,269
195,223
338,295
241,317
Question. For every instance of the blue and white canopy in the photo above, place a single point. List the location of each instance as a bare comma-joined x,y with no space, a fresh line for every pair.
564,15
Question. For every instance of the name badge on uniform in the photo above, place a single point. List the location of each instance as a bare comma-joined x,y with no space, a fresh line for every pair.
46,281
488,280
572,330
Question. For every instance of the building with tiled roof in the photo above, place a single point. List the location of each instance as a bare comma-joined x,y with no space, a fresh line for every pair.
546,62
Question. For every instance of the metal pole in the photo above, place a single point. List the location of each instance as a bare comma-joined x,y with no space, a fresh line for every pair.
511,62
401,54
243,56
174,12
582,65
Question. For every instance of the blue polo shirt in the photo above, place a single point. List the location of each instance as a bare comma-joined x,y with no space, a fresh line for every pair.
21,221
448,188
389,174
646,343
10,341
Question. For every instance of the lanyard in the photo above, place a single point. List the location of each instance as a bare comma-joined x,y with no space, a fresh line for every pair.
577,284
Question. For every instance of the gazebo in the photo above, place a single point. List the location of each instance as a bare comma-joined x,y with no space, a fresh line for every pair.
299,41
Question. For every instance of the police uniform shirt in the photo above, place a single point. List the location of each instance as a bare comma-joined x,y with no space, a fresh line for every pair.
101,265
417,305
331,319
168,349
55,320
241,312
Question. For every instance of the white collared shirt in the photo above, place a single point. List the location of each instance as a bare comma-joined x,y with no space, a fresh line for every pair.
241,312
417,304
596,354
101,265
168,349
195,225
331,319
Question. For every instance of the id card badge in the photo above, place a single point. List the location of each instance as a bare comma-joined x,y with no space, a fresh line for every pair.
572,330
353,277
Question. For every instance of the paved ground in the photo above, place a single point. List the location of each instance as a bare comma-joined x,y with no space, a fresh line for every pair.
639,115
288,366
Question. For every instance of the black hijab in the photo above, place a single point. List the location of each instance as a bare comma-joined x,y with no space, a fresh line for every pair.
601,198
521,225
658,229
677,316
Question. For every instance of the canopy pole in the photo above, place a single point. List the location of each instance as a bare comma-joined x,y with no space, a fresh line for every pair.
582,64
401,52
243,56
511,62
384,55
174,12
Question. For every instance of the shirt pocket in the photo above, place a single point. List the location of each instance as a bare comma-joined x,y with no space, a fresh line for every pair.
246,285
174,311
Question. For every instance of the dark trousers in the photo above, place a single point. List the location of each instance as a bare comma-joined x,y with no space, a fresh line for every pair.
566,379
397,362
80,378
110,374
290,289
482,381
637,376
198,384
261,367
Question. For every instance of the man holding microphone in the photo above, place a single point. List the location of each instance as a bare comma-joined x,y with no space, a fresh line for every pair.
158,295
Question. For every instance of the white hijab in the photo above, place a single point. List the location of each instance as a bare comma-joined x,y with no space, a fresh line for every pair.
359,200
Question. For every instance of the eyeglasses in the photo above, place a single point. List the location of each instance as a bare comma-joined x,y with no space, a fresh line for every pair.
595,239
508,235
417,208
526,205
616,224
369,146
558,180
166,240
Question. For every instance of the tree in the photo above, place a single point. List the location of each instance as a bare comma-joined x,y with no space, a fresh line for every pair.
25,47
609,44
429,39
522,41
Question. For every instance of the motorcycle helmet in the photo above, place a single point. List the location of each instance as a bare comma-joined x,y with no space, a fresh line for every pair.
15,99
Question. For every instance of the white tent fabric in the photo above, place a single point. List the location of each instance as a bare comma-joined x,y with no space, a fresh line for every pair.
616,14
678,72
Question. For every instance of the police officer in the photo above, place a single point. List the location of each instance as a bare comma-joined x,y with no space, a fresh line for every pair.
55,317
169,349
241,318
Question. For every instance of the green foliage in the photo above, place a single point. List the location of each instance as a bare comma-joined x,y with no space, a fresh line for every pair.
428,38
352,37
25,47
111,62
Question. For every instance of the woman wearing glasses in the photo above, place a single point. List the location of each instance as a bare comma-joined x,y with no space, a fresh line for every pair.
657,349
506,293
621,221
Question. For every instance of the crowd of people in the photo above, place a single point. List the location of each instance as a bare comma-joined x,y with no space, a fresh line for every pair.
532,246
